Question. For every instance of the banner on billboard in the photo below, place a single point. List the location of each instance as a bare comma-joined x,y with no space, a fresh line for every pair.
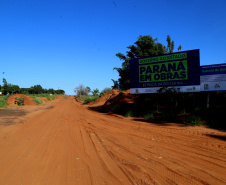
178,70
213,77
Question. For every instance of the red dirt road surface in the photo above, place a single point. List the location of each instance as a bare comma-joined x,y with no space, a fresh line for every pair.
65,143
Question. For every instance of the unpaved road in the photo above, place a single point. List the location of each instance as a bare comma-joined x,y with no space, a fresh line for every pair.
66,144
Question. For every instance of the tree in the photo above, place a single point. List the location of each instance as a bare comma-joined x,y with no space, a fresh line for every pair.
4,82
36,89
145,46
4,87
96,92
170,45
88,90
81,90
116,84
13,89
105,90
51,91
179,48
60,91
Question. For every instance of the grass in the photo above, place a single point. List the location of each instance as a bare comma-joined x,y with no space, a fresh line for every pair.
194,120
3,101
89,98
38,101
49,97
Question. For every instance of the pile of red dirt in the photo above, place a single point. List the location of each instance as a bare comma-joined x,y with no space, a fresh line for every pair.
113,100
106,97
27,99
44,99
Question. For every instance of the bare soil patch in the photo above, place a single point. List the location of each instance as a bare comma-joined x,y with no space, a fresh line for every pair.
70,144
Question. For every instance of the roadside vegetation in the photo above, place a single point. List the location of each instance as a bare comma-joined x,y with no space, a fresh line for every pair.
8,88
48,96
83,93
3,101
35,91
173,106
168,104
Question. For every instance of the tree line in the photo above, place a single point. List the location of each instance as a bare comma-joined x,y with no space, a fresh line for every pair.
81,90
145,46
8,88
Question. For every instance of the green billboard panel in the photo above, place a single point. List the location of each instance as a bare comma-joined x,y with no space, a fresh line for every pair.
169,70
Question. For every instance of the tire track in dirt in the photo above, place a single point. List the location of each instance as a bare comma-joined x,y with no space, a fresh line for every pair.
70,144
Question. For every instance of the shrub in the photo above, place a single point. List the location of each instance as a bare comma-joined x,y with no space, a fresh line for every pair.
3,101
38,101
149,116
19,101
129,114
194,120
89,98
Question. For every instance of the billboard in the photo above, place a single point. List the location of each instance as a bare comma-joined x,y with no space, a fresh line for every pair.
213,77
178,70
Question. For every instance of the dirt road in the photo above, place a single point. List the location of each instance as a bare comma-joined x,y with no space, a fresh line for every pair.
66,144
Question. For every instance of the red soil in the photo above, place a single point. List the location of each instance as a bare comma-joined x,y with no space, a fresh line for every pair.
114,99
59,96
66,143
106,97
27,99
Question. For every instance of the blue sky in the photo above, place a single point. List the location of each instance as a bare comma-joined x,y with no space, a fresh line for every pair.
65,43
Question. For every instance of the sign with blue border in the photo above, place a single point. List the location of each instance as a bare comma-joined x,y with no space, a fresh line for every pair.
179,70
213,77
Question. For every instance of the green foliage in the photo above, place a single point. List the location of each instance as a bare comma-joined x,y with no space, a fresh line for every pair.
105,90
38,101
170,45
95,92
194,120
3,101
88,89
8,88
179,48
149,116
36,89
48,96
19,101
145,46
129,113
115,82
81,90
89,98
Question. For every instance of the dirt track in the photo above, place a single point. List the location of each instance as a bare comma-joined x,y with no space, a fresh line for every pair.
65,143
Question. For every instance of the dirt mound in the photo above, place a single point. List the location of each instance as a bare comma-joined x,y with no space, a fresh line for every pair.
115,100
106,97
44,99
27,99
120,103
